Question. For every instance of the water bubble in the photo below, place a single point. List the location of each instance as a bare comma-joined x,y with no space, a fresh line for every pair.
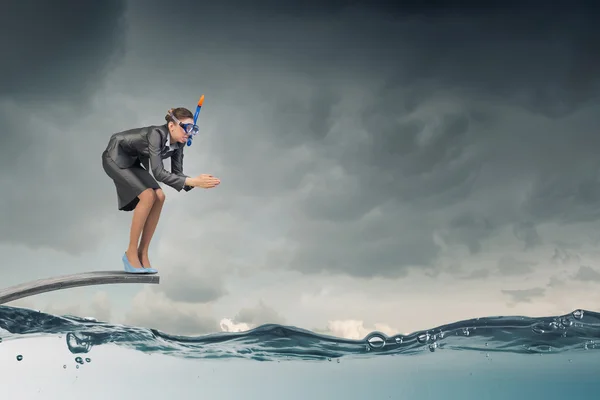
466,331
338,360
376,341
19,357
88,360
537,329
78,343
423,338
329,359
433,346
65,366
566,322
578,314
79,360
77,366
398,340
590,344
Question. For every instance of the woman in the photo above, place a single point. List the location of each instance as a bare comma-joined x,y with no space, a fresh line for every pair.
127,160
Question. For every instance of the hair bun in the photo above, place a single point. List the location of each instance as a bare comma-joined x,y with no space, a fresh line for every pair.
168,116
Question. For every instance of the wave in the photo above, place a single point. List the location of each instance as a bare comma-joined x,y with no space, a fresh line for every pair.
577,331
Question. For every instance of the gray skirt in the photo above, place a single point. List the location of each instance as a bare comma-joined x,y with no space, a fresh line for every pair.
129,182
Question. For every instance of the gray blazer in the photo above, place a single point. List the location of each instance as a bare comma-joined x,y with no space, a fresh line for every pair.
149,146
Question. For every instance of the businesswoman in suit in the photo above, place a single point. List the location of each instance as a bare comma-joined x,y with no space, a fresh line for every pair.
128,160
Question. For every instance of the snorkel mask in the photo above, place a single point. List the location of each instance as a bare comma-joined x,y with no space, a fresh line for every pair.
191,129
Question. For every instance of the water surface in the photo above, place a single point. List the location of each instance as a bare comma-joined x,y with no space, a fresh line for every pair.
47,356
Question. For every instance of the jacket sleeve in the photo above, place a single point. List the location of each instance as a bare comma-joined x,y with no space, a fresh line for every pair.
177,166
177,182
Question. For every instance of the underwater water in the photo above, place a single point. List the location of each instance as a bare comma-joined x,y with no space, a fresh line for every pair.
44,356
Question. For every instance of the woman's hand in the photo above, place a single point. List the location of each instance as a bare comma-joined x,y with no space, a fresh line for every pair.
205,181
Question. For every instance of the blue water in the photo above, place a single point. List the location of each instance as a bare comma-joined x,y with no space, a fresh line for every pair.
48,356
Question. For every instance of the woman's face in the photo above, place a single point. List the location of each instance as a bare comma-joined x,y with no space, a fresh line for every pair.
177,132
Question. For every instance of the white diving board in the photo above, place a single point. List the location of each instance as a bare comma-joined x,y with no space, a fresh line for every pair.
74,280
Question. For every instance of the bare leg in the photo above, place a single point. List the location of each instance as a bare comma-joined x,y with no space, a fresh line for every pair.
150,227
140,215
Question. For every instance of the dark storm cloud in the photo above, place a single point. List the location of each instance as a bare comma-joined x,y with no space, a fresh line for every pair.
563,256
469,230
478,274
524,295
172,320
57,50
182,285
258,315
416,122
411,123
527,233
506,266
555,282
587,274
510,266
55,56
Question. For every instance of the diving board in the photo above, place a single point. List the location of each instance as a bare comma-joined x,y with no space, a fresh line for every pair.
74,280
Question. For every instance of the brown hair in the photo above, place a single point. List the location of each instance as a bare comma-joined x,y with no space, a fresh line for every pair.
179,113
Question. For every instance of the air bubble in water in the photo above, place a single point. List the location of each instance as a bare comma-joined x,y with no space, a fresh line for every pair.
466,331
376,341
65,366
79,360
398,340
566,322
423,338
88,360
19,357
578,314
78,343
433,346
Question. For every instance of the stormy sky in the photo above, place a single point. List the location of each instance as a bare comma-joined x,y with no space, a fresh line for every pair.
383,167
